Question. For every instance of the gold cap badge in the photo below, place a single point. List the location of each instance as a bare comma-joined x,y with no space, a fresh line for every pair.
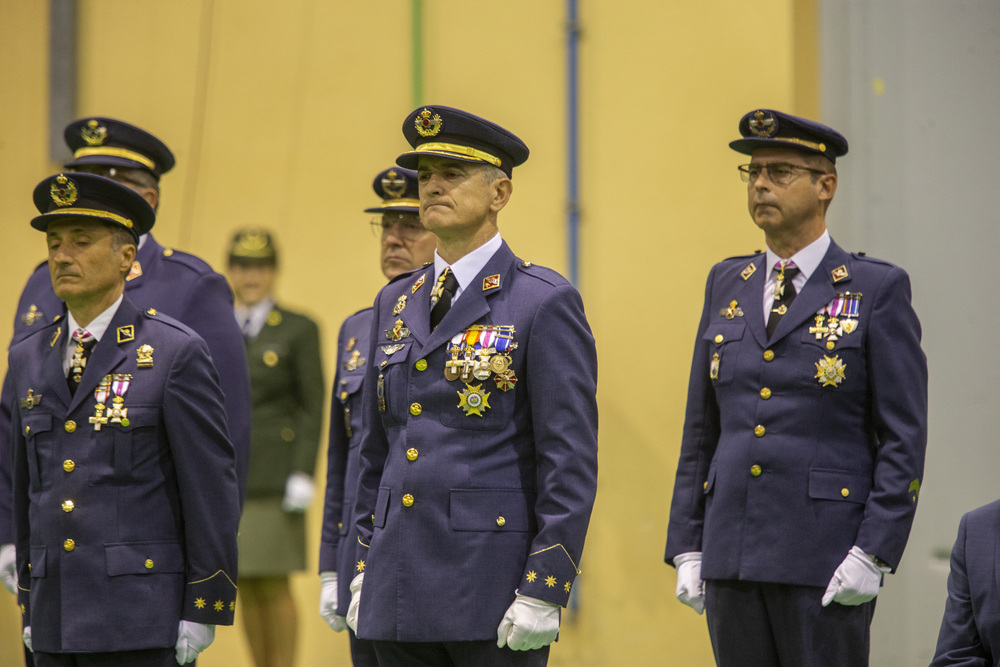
63,191
94,133
428,123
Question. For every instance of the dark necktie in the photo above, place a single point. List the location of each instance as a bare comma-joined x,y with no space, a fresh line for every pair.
784,294
441,296
85,343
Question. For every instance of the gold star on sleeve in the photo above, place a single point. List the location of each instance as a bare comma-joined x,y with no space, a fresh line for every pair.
531,576
232,605
361,566
200,603
23,610
567,586
550,581
219,605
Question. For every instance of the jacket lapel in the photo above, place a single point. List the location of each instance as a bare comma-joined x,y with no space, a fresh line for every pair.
751,297
52,370
818,291
472,305
109,352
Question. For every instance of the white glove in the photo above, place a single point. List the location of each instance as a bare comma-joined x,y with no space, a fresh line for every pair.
529,623
352,609
299,492
192,639
856,581
328,601
26,636
8,567
690,586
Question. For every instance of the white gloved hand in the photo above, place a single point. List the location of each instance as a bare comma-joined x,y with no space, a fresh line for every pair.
352,609
26,636
8,567
299,492
192,639
328,601
529,623
690,585
856,581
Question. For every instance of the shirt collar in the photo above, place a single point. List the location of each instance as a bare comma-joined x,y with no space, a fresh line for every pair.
257,314
468,267
100,323
807,259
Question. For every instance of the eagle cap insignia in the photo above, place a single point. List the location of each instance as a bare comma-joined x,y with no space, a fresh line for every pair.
63,191
394,184
763,124
428,123
94,133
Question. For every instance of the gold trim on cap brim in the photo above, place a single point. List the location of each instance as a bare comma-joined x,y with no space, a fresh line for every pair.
455,150
116,152
90,213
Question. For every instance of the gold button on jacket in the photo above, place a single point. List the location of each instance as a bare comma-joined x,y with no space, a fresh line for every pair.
755,470
70,426
407,500
412,454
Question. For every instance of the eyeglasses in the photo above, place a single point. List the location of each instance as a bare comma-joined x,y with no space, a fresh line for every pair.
408,228
779,173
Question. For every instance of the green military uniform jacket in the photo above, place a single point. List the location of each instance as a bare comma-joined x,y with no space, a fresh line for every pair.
286,380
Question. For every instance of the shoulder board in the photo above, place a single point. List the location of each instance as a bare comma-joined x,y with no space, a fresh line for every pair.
542,273
187,259
156,316
360,312
406,274
744,257
863,257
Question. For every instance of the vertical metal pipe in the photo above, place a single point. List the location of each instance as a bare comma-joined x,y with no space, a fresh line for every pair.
417,50
572,141
62,74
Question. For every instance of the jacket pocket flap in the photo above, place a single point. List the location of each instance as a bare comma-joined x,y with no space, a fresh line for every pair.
143,558
493,509
842,485
381,506
38,422
37,562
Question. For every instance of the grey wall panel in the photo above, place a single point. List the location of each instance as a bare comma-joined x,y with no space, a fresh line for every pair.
915,87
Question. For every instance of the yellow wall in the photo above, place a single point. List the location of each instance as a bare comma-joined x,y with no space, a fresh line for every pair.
280,114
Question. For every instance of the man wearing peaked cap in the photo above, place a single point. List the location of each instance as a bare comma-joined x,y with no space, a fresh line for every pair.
479,462
169,280
405,245
124,480
806,425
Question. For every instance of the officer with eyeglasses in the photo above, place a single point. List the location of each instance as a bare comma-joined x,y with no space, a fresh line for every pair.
405,245
806,423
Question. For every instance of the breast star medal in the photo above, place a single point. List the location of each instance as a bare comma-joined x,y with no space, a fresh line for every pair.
830,371
473,400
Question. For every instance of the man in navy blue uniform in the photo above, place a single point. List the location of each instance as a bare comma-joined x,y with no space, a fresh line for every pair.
404,245
126,502
806,425
173,282
970,628
479,462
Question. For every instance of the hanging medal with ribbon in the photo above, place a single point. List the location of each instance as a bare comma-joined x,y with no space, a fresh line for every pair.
101,396
851,309
118,413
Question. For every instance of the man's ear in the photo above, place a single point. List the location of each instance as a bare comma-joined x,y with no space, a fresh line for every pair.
502,190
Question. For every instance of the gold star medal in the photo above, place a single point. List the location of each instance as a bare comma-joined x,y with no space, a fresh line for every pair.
830,371
473,400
